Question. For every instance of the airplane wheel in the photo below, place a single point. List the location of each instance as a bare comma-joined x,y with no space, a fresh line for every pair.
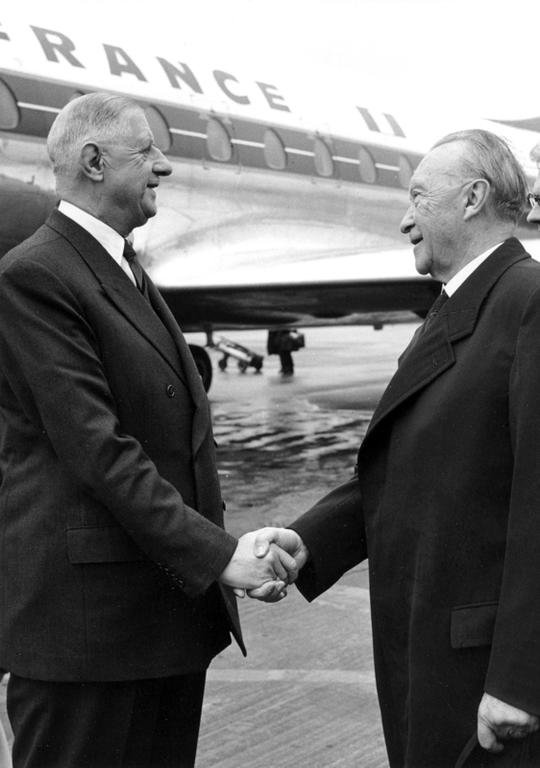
203,363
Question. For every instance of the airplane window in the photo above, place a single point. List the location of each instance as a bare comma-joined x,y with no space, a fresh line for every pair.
160,129
218,141
324,164
9,111
405,172
366,166
274,151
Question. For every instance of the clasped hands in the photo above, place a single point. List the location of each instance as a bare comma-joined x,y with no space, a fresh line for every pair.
264,563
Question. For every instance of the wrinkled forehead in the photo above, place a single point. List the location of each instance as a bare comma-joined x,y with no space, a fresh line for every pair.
440,165
133,127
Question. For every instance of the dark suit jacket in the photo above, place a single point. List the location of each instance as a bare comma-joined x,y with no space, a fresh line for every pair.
447,506
111,516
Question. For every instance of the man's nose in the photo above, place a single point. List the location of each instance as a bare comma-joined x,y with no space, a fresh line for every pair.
161,165
407,222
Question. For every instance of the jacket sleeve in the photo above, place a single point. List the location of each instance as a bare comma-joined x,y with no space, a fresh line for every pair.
51,360
514,669
333,532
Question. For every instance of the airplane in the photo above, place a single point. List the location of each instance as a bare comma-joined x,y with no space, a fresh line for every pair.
272,217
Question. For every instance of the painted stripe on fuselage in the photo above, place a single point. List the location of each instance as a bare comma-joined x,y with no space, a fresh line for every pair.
39,101
38,107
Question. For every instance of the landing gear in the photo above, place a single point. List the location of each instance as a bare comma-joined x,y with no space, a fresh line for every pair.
244,357
203,363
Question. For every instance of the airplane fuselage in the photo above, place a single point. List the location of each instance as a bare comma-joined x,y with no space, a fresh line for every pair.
267,218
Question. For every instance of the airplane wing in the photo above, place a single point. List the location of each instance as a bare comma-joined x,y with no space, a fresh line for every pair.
308,304
372,288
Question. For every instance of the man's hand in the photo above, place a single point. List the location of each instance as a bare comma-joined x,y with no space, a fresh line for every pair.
247,571
285,539
497,720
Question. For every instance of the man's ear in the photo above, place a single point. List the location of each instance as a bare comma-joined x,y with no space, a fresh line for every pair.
477,195
91,162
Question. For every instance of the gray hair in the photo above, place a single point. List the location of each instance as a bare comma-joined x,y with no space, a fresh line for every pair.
93,117
492,159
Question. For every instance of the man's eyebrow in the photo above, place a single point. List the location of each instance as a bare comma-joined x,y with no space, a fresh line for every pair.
146,142
415,186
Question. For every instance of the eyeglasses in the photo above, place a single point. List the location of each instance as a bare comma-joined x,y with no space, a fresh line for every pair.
533,199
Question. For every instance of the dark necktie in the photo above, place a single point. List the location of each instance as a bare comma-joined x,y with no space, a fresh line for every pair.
434,310
131,257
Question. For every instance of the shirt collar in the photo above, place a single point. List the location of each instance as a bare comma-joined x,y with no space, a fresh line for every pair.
105,235
452,285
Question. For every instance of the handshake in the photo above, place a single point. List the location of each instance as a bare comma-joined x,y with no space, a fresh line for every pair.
264,563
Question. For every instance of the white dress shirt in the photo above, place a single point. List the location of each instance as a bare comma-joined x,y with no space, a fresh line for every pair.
105,235
452,285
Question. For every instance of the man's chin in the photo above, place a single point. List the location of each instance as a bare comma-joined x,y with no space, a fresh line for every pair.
421,263
148,211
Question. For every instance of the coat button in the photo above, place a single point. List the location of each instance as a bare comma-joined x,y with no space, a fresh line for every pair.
171,390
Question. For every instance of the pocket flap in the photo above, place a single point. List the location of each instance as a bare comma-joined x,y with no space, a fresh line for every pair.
109,544
472,625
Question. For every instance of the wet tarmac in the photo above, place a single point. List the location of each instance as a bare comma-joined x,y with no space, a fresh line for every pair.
305,696
297,437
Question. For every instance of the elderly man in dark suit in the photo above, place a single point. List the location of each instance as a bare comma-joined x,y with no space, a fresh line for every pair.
446,501
116,571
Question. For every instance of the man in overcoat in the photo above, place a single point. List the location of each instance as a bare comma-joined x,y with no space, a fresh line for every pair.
115,569
446,501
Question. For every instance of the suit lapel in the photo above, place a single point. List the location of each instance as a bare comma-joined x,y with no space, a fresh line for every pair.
119,289
433,353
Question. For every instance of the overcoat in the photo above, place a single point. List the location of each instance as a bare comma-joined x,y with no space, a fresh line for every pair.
111,516
446,505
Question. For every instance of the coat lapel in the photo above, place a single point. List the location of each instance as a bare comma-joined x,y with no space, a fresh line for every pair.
433,353
119,289
430,357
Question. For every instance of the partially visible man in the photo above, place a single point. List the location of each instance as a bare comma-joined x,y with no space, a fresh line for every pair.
115,567
534,196
446,501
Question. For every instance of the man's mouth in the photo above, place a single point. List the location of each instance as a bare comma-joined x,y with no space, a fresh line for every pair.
416,240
